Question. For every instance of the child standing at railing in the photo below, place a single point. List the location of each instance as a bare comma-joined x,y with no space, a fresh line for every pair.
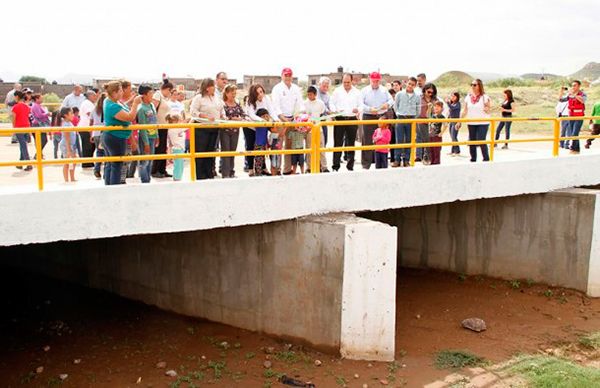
176,137
147,138
382,136
68,143
261,142
297,136
435,132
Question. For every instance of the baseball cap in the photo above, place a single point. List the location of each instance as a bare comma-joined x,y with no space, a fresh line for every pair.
286,71
375,75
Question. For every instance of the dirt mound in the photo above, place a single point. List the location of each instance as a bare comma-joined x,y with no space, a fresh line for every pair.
453,79
589,72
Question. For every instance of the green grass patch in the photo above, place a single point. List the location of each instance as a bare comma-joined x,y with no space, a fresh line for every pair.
457,359
591,341
552,372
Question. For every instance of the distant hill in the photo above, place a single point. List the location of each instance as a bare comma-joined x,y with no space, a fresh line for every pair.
538,76
590,72
453,78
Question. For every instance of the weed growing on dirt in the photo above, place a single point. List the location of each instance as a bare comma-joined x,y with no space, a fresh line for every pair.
250,355
27,377
591,341
530,282
218,368
548,293
545,371
341,381
270,373
457,359
515,284
287,356
462,277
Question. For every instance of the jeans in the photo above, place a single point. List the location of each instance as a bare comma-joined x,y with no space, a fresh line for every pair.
381,159
22,139
504,124
56,138
423,137
206,141
344,135
564,132
454,137
574,127
402,137
229,141
99,152
324,128
78,145
145,166
249,139
478,132
114,146
177,164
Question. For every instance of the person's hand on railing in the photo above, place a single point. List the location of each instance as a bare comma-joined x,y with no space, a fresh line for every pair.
458,125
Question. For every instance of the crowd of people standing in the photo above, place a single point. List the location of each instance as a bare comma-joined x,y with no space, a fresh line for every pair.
118,104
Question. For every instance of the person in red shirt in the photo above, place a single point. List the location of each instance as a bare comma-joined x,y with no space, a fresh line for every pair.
20,119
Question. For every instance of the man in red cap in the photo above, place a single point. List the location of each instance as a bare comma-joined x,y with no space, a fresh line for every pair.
287,102
376,101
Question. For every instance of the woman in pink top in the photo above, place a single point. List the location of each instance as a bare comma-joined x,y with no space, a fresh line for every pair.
382,136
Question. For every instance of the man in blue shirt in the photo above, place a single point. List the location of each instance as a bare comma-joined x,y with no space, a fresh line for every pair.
406,106
376,101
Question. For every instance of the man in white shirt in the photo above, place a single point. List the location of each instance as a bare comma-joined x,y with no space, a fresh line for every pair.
221,81
376,101
287,102
421,81
74,99
346,100
85,114
323,95
10,102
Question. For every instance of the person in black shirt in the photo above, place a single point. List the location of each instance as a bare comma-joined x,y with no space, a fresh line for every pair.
507,110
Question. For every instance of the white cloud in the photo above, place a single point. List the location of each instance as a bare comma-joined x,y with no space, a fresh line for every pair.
142,39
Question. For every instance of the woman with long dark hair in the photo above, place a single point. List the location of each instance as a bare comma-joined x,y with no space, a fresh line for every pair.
477,105
454,113
507,108
428,97
206,105
257,99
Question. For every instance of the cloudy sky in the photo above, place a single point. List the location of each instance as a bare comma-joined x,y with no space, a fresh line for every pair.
142,39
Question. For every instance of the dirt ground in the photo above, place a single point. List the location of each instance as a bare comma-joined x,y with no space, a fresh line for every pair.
101,340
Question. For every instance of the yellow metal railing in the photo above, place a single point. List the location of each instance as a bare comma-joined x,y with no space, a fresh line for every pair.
315,149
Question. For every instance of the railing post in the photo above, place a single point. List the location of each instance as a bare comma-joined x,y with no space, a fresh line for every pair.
492,139
413,142
192,152
38,159
315,162
555,145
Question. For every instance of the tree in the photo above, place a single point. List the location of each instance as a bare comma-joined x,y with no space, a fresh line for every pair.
33,78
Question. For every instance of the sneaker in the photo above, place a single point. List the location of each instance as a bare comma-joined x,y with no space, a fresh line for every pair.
426,162
97,174
573,152
28,168
587,146
505,147
158,175
19,167
325,170
405,163
395,164
167,175
417,159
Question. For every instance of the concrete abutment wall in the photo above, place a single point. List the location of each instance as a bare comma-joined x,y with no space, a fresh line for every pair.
328,280
552,238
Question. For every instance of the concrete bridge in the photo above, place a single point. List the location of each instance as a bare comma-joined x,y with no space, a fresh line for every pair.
313,258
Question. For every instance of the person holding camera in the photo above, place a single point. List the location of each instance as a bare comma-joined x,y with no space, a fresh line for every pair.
576,104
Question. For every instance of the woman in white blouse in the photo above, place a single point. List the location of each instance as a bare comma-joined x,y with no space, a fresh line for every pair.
206,105
477,104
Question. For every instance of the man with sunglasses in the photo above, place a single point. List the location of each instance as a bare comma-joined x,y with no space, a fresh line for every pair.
376,100
221,82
